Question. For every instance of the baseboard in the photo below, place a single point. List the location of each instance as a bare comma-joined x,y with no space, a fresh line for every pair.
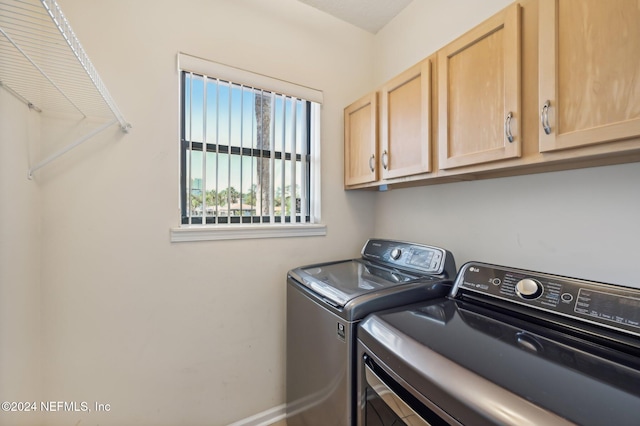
265,418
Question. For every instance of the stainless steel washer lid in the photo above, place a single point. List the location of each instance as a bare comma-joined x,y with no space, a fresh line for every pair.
340,282
385,264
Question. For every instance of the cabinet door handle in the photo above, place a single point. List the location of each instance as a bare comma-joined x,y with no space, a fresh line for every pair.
544,117
372,163
507,127
385,158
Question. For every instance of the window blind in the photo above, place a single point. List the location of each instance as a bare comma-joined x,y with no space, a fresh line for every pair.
246,150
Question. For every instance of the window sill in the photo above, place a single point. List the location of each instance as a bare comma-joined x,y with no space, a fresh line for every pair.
241,232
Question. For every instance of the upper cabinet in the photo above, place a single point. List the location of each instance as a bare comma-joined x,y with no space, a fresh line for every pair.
479,93
402,150
361,141
589,89
543,85
405,123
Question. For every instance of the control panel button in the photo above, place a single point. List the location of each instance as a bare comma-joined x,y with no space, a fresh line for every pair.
529,289
567,297
496,281
396,253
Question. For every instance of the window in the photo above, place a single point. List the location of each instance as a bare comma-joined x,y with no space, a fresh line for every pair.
248,143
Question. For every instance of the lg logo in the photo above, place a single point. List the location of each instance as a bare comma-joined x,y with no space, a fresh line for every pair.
474,269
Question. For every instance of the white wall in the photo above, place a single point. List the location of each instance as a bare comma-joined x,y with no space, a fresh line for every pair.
20,302
187,333
581,223
422,28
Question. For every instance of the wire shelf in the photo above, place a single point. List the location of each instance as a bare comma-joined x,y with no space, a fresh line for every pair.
43,64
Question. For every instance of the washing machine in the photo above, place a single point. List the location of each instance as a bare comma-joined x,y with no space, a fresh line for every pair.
325,303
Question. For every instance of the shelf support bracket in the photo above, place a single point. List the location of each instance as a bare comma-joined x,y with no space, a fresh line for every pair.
69,147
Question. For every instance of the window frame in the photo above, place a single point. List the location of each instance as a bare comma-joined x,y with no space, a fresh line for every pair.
242,228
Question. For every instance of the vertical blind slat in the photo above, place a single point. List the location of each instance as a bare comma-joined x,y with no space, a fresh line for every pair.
217,162
241,189
283,161
293,198
253,135
304,183
204,151
261,166
229,135
189,157
272,159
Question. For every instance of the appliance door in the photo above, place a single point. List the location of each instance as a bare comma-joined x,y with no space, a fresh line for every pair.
385,402
484,367
340,282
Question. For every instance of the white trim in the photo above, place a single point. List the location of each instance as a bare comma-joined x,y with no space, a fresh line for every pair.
237,75
190,233
265,418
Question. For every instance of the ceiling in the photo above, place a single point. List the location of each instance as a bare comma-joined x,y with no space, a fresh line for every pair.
370,15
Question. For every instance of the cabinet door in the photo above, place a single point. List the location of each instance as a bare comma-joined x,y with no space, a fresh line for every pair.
405,123
360,141
479,93
589,54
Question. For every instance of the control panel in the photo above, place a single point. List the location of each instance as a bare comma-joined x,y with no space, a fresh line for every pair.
409,256
604,304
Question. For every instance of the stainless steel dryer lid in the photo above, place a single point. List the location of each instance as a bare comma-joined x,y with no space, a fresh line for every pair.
510,362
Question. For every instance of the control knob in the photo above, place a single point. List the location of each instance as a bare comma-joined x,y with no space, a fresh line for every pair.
396,253
529,289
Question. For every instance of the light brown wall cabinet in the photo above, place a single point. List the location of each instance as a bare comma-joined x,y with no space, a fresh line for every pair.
589,73
404,125
361,141
543,85
479,93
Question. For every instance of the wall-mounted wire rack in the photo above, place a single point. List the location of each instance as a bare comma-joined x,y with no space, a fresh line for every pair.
43,64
